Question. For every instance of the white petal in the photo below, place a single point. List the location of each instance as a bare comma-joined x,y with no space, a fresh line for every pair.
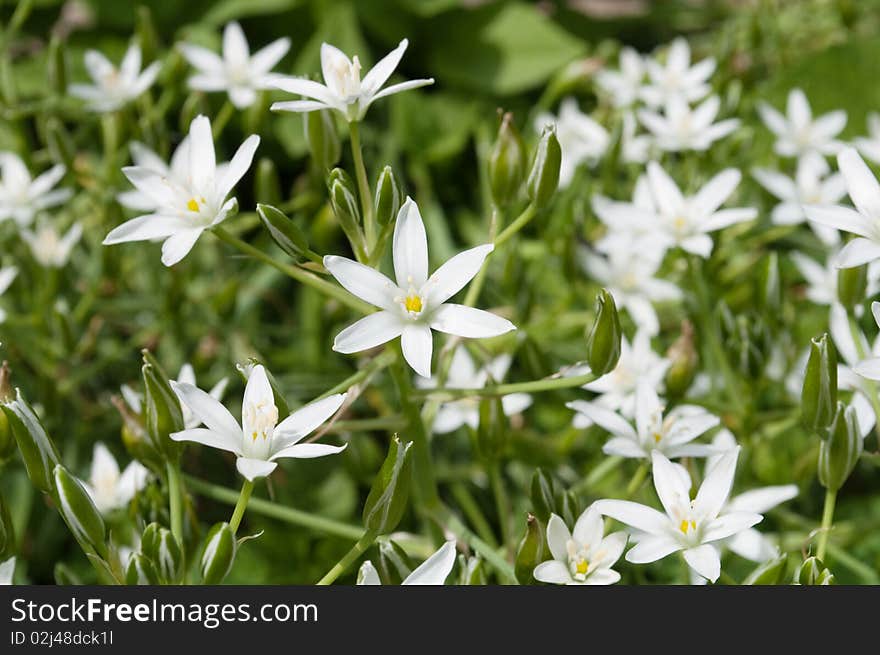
622,447
104,465
202,160
142,228
212,413
298,106
210,438
860,182
252,469
380,73
716,191
752,545
178,245
652,549
132,480
730,524
603,577
307,451
469,322
201,58
588,528
304,87
638,516
604,417
417,344
435,569
857,252
367,574
264,59
558,536
868,368
552,572
666,193
238,165
303,421
840,218
410,247
673,489
763,499
705,561
716,486
403,86
451,277
369,332
235,46
362,281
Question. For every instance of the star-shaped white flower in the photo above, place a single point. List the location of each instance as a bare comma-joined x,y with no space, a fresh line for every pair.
631,225
416,304
186,207
692,526
681,127
870,146
113,87
464,374
582,556
237,72
677,79
581,139
7,275
813,184
343,89
624,85
798,133
433,571
7,570
49,248
671,434
110,489
260,440
21,196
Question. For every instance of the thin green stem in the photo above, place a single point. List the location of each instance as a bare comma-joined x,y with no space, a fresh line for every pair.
246,489
175,500
637,479
349,558
363,186
827,520
472,512
502,504
869,385
607,465
221,119
377,364
493,390
518,223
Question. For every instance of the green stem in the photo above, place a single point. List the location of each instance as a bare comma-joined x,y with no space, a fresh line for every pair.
869,385
363,186
175,500
473,512
637,479
493,390
377,364
246,489
607,465
297,273
827,520
518,223
502,504
221,119
349,558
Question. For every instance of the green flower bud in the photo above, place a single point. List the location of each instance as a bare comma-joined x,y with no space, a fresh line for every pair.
769,573
472,571
322,138
819,395
163,550
150,540
267,187
491,432
603,341
393,564
161,407
345,205
839,451
7,531
56,58
507,163
530,552
388,197
141,571
387,499
813,572
852,286
79,511
769,285
684,363
219,554
544,176
287,234
542,492
37,449
7,440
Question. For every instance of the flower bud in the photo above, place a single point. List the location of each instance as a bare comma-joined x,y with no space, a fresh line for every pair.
684,362
492,430
394,564
345,205
544,176
7,531
852,286
57,65
603,341
287,234
37,449
530,552
769,573
141,571
507,163
839,451
386,501
543,495
219,554
322,138
79,511
161,547
7,440
161,407
819,395
813,572
472,571
267,187
388,197
769,286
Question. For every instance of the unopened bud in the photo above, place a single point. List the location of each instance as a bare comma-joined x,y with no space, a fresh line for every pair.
267,187
141,571
79,511
684,362
819,394
603,341
219,554
852,286
388,197
507,163
839,451
345,205
287,234
813,572
37,449
544,176
530,552
161,407
388,496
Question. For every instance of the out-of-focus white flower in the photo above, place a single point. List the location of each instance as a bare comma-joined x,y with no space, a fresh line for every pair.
7,275
853,372
109,488
681,127
185,207
870,145
48,247
114,87
811,185
260,440
7,570
581,139
671,434
631,226
677,79
822,280
634,148
21,197
624,85
464,374
798,133
237,72
343,89
581,556
416,304
433,571
692,526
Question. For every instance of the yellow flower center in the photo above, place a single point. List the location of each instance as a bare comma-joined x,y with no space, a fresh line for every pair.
582,566
685,526
657,437
193,204
413,303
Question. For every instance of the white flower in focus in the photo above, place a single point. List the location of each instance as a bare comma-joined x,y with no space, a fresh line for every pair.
692,526
416,304
671,434
797,133
811,185
237,72
7,275
343,89
464,374
677,79
260,440
581,139
186,207
433,571
624,85
109,488
822,280
7,571
681,127
48,247
188,376
113,87
582,556
870,145
21,197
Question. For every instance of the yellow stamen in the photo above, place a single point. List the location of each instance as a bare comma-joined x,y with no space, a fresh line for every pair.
413,303
193,204
686,526
657,437
583,566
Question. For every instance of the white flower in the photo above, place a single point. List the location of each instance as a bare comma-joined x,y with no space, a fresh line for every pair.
49,248
870,145
582,556
692,526
797,133
260,440
463,374
343,89
21,197
237,72
7,571
581,139
623,86
863,221
7,275
109,488
417,303
634,148
185,207
433,571
681,127
811,185
631,226
114,87
653,432
867,368
822,280
677,78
